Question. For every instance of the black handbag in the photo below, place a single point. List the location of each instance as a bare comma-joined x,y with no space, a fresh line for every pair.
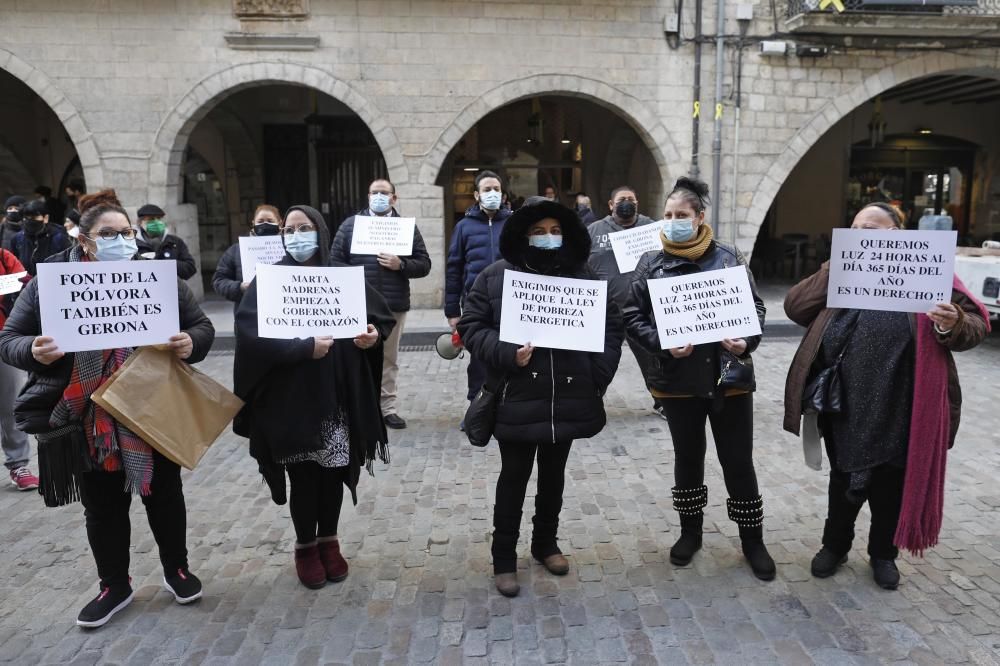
736,373
824,394
481,417
63,456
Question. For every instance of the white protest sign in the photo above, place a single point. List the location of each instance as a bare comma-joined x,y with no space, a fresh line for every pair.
391,235
703,307
306,302
896,271
95,305
629,245
259,250
11,284
553,312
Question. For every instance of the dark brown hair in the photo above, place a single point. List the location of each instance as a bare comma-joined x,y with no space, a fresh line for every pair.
93,206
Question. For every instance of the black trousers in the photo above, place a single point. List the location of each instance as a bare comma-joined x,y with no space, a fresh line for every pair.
732,428
517,461
106,509
885,498
314,500
644,359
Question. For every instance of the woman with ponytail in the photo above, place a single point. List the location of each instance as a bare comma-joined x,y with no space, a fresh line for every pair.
83,452
693,383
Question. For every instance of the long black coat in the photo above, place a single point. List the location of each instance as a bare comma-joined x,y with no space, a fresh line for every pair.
698,373
46,383
393,285
558,397
288,393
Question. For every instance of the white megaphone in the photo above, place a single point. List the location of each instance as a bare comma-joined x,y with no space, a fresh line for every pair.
449,346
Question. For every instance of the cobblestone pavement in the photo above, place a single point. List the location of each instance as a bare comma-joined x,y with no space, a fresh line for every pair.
420,587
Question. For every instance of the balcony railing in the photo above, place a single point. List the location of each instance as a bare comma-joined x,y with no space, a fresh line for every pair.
900,7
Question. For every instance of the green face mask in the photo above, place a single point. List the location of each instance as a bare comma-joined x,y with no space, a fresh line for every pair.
155,227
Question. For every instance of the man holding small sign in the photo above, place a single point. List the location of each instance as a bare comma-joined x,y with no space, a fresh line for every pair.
392,252
875,378
696,299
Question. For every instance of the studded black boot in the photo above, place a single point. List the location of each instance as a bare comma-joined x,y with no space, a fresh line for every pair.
689,503
748,514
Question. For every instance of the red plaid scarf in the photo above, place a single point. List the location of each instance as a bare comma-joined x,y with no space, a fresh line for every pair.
112,445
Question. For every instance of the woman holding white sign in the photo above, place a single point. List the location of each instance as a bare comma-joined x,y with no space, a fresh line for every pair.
312,407
888,428
228,280
83,452
695,383
547,397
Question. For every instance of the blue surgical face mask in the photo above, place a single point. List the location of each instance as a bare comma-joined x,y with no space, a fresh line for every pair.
116,249
490,200
545,241
302,245
678,231
379,203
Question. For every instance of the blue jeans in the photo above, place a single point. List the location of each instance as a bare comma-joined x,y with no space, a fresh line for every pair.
16,448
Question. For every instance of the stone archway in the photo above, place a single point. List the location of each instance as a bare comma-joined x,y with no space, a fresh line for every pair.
66,112
646,123
842,105
171,137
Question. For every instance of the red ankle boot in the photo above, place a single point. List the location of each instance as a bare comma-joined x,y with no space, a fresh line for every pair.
333,561
309,567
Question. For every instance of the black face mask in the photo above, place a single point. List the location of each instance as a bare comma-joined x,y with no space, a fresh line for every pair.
33,227
265,229
14,217
582,208
625,210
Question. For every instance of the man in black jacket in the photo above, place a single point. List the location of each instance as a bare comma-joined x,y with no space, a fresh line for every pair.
10,226
155,243
38,240
390,275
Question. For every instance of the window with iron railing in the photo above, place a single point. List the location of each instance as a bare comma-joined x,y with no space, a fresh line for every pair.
931,7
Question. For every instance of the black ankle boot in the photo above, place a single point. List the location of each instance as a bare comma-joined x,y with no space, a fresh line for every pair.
689,503
748,515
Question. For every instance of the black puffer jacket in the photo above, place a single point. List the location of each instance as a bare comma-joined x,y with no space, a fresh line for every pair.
393,285
171,247
46,383
558,397
698,373
228,279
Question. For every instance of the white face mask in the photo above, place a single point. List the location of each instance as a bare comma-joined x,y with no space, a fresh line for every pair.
545,241
678,231
490,200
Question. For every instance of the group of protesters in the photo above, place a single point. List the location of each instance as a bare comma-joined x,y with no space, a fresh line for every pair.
317,410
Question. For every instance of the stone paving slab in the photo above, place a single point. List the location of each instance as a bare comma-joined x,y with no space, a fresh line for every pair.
420,586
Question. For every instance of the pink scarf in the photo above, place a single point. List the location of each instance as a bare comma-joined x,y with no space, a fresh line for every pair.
930,432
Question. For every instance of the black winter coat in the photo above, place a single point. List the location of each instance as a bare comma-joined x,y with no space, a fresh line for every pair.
228,279
172,247
34,250
393,285
46,383
558,397
698,373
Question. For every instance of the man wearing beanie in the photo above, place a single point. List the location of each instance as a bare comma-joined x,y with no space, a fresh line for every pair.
155,243
10,223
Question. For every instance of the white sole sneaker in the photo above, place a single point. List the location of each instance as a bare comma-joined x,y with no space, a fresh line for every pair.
178,598
104,620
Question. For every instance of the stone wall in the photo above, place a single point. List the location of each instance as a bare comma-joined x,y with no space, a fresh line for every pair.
129,81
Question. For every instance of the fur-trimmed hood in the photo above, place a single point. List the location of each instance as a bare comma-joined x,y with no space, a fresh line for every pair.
576,241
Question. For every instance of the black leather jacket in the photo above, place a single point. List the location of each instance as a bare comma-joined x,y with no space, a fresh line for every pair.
697,374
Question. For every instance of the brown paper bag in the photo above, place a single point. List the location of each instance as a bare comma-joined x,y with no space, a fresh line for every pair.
173,407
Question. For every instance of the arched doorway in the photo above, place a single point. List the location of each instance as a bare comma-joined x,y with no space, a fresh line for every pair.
568,143
922,145
35,148
281,144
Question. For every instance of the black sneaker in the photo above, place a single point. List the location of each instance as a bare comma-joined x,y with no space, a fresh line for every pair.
885,573
184,585
111,600
394,421
826,563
